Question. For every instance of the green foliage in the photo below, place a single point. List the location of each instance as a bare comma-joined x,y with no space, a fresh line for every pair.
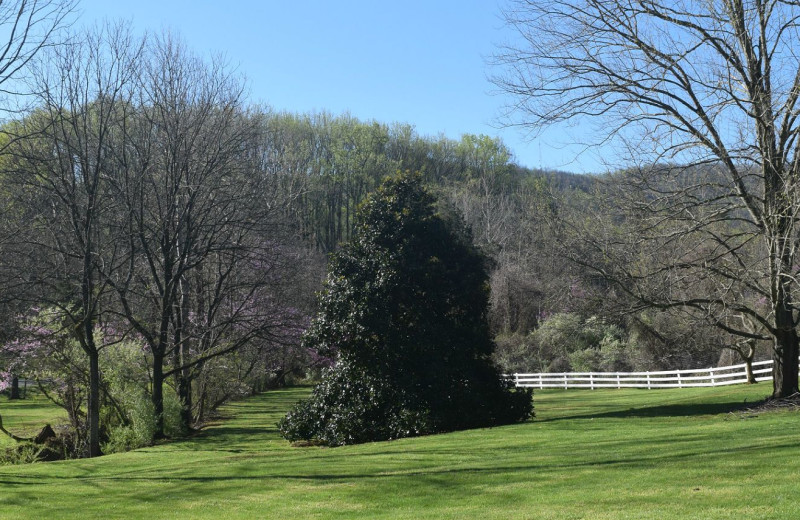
173,426
21,453
129,416
405,310
515,353
586,360
137,431
568,342
352,406
140,423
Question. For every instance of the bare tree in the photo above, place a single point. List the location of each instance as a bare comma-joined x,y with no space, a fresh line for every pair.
196,282
706,83
27,26
60,172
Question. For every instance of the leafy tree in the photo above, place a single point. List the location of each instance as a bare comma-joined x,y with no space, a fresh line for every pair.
405,310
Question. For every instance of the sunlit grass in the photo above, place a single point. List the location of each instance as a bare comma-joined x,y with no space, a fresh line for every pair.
588,454
26,417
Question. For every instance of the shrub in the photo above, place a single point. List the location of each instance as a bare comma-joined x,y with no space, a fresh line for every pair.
173,425
405,309
129,416
351,407
139,427
22,453
567,342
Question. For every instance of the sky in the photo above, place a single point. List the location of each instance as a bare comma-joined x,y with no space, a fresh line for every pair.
422,62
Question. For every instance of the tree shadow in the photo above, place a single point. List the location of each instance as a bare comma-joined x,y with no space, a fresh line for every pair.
354,474
668,410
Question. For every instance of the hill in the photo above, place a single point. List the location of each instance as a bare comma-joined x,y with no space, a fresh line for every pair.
589,454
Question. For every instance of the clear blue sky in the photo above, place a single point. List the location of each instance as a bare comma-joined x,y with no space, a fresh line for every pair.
421,62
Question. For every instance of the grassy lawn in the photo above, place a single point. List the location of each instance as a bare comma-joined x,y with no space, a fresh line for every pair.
26,417
589,454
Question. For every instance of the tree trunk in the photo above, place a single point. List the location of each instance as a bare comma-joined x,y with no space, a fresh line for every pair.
182,373
785,349
747,356
14,388
784,368
93,411
748,368
158,394
201,416
185,396
784,356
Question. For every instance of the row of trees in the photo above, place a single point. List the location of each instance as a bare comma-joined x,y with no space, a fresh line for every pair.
138,209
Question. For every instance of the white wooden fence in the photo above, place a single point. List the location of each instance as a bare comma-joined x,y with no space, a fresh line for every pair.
762,370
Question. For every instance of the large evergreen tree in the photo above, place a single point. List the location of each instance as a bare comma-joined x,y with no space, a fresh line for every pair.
404,311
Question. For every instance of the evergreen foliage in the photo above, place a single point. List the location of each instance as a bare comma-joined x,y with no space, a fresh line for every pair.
404,310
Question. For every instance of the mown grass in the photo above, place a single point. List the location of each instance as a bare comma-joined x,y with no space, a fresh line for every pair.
588,454
26,417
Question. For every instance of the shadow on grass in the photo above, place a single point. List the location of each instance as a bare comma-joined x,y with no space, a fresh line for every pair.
669,410
242,425
18,405
227,438
524,467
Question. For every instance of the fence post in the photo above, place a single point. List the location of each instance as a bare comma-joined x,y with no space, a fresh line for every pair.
565,381
680,383
541,381
619,383
711,373
648,380
591,381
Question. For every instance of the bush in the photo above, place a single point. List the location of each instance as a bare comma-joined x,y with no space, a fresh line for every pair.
351,407
516,353
139,427
567,342
22,453
405,309
173,425
129,417
587,360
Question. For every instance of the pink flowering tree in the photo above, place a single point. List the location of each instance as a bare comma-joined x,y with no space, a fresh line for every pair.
43,351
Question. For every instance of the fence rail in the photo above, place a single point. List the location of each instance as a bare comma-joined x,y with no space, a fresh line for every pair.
720,376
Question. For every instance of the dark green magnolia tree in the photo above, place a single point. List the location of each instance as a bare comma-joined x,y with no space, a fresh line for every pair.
404,312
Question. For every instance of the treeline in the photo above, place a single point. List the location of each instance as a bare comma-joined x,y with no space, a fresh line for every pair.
334,161
665,273
163,239
548,313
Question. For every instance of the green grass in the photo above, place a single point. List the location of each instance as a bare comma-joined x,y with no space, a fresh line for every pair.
610,454
26,417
